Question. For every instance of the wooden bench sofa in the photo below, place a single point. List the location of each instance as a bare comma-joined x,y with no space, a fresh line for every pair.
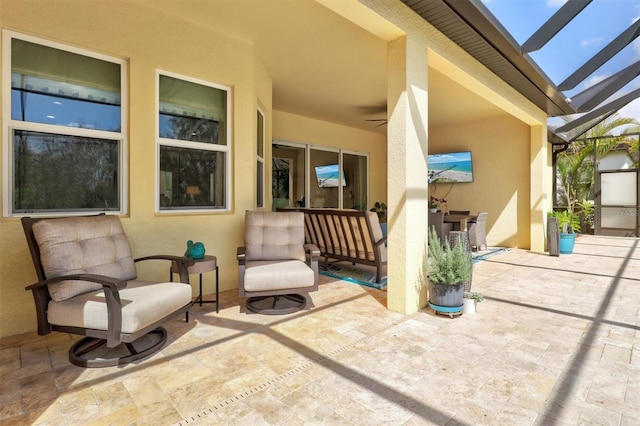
347,235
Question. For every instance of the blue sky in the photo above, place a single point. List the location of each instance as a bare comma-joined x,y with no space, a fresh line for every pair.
598,24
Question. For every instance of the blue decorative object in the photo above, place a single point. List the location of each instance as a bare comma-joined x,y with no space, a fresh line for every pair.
194,250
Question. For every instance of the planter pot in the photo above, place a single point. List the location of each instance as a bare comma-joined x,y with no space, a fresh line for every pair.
469,306
433,210
567,241
383,227
445,295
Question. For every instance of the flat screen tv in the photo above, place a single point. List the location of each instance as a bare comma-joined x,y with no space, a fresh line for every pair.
328,176
450,167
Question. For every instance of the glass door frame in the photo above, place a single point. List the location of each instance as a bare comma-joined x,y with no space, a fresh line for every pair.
307,169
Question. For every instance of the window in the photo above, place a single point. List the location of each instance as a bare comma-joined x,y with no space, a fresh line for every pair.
260,165
67,129
194,150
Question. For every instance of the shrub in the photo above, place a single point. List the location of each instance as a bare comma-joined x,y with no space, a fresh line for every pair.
447,265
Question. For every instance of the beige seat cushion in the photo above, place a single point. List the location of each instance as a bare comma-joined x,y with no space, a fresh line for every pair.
143,303
276,275
76,245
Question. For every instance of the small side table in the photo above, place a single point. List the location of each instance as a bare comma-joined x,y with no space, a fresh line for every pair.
206,264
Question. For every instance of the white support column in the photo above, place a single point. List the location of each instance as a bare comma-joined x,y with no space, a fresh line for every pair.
407,174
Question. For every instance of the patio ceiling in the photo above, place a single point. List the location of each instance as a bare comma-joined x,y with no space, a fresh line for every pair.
322,65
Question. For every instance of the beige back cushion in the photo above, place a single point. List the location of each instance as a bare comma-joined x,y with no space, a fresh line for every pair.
274,235
76,245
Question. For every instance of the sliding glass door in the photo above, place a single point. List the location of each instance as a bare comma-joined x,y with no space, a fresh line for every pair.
315,176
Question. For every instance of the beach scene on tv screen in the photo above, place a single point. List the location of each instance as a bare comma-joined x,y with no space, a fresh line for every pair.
450,167
328,176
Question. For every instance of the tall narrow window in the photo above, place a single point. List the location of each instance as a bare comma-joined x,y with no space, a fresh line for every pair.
67,129
260,161
194,150
356,188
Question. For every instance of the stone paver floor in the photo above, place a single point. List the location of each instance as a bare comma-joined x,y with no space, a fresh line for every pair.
556,341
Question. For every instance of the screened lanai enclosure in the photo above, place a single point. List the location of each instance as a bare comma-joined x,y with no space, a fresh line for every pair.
597,180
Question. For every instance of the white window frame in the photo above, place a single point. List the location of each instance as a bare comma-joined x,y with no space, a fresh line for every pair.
261,160
226,148
9,125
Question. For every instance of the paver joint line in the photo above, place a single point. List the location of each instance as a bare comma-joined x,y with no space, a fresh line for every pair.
322,359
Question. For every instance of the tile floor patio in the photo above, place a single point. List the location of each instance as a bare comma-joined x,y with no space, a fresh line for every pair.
556,341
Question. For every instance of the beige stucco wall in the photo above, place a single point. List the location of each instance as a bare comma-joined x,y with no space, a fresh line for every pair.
150,40
501,158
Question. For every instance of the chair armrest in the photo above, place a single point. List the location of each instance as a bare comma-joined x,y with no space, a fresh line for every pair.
111,287
182,262
113,284
314,253
312,250
169,257
381,241
241,255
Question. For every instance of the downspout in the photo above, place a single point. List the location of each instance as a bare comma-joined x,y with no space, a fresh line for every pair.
556,148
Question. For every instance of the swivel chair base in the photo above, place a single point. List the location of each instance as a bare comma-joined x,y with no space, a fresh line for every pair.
276,305
91,352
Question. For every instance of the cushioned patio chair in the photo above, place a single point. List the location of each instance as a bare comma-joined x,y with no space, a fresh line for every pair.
276,269
477,232
88,286
436,220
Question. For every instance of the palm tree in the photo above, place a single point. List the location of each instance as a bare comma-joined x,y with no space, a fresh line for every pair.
633,146
575,167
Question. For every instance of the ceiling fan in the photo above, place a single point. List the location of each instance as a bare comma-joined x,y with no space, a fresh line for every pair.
378,109
383,121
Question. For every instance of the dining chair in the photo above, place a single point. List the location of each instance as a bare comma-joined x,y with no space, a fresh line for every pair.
477,232
436,220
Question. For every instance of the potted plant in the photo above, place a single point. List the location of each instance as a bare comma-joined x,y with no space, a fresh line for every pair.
380,209
448,268
471,299
569,223
435,202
